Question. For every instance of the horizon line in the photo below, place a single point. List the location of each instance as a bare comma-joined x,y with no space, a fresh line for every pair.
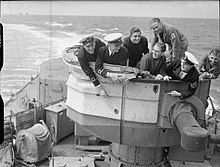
27,14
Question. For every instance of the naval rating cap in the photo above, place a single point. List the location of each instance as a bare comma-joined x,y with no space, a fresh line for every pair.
87,39
192,59
114,38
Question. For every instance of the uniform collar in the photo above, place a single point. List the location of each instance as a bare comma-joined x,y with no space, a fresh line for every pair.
110,52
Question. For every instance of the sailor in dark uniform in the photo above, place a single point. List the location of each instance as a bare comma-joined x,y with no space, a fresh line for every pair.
170,35
185,70
88,52
113,53
137,46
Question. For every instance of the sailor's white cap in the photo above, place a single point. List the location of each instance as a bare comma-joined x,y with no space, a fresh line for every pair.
189,56
114,38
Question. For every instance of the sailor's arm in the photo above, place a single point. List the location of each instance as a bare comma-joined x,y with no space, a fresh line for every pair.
215,74
176,44
207,75
99,65
154,41
201,64
145,62
186,93
146,50
163,67
190,91
88,71
124,57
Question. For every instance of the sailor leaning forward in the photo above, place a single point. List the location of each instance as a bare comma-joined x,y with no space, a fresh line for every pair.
170,35
113,53
184,70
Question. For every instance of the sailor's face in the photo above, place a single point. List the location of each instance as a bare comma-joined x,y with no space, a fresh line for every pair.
157,27
213,59
185,66
114,47
136,37
157,53
90,47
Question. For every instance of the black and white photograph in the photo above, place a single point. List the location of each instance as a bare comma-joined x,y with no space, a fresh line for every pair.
110,83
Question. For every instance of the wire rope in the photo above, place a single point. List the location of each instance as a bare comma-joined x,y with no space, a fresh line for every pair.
17,46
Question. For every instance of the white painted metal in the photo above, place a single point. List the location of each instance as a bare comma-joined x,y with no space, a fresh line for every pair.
82,97
141,102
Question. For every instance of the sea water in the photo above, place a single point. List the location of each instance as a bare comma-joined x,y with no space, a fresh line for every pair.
31,39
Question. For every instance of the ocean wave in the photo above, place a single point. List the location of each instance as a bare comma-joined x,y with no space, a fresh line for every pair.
10,89
104,34
14,79
33,32
26,65
6,99
69,34
19,27
11,76
36,32
7,94
21,69
39,61
114,29
58,24
98,29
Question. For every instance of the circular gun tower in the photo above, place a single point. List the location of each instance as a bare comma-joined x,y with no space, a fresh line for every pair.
142,120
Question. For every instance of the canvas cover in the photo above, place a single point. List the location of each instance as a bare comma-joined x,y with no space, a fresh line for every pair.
6,155
33,144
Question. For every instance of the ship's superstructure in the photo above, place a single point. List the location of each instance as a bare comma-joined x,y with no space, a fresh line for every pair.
142,120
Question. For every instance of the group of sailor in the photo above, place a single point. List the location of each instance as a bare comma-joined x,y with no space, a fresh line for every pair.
167,57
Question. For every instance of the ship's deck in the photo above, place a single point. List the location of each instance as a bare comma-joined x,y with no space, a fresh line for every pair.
67,148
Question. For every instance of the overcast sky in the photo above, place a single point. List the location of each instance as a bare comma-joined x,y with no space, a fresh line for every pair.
184,9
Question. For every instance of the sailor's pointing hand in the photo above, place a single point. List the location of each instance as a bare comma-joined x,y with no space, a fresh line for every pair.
159,77
113,76
175,93
166,78
101,91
